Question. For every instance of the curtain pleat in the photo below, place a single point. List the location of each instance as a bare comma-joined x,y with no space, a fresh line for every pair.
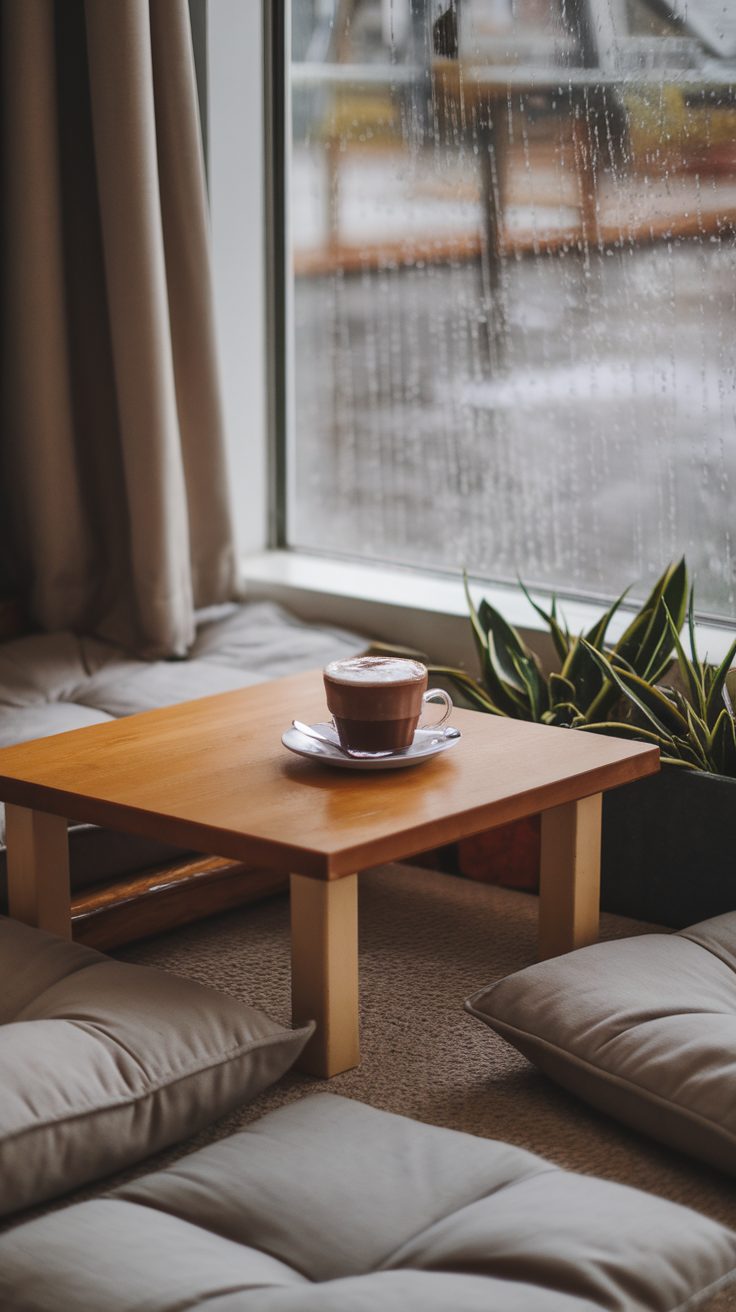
114,476
44,521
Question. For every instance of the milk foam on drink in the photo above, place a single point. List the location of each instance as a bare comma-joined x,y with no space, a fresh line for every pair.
376,669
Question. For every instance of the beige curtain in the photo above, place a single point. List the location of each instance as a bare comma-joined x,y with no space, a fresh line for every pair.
115,514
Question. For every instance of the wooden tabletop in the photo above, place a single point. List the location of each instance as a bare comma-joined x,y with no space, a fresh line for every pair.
212,775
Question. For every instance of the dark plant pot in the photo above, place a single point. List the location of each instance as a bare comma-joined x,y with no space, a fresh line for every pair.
508,855
669,848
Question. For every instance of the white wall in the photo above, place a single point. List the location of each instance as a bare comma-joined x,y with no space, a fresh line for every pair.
236,172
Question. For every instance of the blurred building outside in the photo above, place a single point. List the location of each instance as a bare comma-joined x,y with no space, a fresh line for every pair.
475,161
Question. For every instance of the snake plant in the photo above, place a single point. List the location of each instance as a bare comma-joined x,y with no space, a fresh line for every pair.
694,728
584,690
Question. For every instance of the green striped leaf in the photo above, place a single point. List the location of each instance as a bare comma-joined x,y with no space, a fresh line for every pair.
468,687
691,625
634,732
506,643
479,636
535,685
510,699
723,744
653,704
657,645
586,677
698,736
560,690
647,643
714,701
565,715
597,635
560,636
691,674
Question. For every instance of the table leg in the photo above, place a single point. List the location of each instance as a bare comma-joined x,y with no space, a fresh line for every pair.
38,869
570,876
324,971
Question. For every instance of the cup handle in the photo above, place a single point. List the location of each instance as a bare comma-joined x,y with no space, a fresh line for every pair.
437,694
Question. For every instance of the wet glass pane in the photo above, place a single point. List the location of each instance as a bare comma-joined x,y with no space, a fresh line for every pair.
513,288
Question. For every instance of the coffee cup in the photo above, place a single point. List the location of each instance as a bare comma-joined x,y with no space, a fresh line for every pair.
376,701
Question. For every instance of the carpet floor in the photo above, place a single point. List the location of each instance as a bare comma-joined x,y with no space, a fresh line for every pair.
427,941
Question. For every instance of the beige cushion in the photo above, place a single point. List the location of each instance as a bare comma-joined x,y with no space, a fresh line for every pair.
102,1063
52,682
330,1206
643,1028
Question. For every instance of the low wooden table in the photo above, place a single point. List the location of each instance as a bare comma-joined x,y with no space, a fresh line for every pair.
212,775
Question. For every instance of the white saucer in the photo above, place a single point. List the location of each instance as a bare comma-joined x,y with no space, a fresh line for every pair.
427,743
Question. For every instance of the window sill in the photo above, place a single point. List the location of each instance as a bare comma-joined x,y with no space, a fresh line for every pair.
417,609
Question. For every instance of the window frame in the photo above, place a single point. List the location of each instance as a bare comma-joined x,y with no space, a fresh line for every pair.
405,604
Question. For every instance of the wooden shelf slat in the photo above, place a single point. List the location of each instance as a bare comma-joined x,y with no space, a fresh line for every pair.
166,897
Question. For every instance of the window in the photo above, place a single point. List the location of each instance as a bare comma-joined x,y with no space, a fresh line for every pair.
511,283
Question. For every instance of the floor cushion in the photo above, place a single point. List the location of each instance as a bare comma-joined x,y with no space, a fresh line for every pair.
329,1205
103,1063
643,1028
53,682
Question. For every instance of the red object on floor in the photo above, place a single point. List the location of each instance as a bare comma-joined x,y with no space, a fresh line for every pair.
508,855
